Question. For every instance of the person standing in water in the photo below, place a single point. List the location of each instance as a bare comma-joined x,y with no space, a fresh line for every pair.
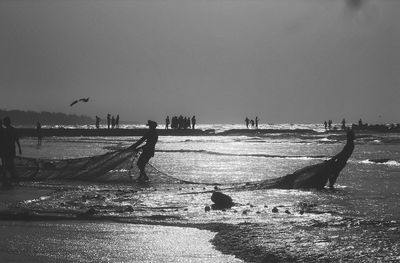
117,121
39,133
10,138
151,138
193,122
167,123
108,120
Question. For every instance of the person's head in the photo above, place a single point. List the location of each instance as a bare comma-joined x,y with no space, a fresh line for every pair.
7,121
151,124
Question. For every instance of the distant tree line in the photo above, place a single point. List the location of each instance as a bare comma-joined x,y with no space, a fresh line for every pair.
30,118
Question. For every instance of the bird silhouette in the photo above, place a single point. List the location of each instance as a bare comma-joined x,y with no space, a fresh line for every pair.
76,101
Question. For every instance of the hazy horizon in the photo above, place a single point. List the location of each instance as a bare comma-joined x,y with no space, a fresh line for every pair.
103,120
285,61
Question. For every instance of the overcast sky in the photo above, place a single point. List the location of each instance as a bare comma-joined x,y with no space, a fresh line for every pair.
221,60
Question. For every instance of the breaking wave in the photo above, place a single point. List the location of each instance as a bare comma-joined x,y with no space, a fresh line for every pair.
384,161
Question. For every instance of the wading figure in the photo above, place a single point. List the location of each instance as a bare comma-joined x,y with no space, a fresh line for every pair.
108,120
151,138
10,138
167,123
193,122
98,122
39,133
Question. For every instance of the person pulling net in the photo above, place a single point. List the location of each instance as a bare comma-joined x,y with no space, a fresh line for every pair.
151,138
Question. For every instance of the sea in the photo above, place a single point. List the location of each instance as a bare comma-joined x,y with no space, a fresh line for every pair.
358,221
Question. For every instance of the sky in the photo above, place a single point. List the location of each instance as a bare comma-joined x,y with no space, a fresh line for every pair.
285,61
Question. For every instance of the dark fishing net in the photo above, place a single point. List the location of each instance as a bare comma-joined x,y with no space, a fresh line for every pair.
120,166
116,166
313,176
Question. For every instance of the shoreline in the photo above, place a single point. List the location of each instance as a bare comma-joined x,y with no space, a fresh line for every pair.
229,241
16,222
63,132
245,241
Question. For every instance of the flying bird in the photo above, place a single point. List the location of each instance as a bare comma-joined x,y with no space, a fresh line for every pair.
76,101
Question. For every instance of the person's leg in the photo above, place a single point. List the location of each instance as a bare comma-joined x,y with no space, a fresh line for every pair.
143,160
7,170
11,169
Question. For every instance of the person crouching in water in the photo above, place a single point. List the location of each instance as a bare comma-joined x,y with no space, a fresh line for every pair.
151,138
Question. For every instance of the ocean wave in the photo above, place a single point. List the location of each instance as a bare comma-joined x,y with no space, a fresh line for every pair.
383,161
302,157
327,140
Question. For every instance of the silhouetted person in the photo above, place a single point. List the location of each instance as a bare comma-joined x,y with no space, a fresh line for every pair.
188,125
360,123
325,125
39,133
247,122
252,123
98,122
112,122
256,122
151,138
167,123
193,122
174,122
108,121
180,122
330,124
10,138
343,124
117,121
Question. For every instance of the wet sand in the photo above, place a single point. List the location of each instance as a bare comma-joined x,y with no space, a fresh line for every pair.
168,223
38,237
83,241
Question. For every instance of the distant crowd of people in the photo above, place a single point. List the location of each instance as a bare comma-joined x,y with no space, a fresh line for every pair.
180,122
112,122
328,125
253,123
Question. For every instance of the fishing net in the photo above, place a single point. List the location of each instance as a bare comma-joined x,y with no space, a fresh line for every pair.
313,176
115,166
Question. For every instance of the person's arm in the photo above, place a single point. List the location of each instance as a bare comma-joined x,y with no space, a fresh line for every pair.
139,142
